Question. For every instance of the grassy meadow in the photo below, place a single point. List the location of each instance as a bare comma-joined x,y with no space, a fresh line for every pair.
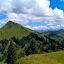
47,58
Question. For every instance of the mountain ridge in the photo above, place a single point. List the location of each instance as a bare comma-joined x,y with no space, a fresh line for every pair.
12,29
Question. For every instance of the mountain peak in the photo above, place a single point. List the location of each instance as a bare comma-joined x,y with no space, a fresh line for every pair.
12,29
11,23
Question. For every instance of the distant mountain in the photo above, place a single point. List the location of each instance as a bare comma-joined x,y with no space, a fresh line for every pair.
42,31
58,35
13,29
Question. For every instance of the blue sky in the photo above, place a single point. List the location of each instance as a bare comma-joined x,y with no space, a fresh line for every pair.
2,15
57,3
33,14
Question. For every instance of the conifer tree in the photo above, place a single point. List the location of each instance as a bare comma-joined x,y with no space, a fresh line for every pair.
32,48
11,53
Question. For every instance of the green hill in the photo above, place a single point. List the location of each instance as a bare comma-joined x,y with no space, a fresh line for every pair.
13,29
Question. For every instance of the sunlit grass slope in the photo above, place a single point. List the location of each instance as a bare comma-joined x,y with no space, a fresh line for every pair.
48,58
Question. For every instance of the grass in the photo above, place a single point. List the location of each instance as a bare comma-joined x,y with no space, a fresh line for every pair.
1,62
48,58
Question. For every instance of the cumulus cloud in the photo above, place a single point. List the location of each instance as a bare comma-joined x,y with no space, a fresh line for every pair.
18,18
22,11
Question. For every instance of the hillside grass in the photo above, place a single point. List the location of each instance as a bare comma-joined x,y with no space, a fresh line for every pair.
1,62
47,58
12,29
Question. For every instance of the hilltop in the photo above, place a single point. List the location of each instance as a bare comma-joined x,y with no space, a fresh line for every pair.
12,29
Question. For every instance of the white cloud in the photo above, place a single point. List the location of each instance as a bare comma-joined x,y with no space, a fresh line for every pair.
58,12
27,26
21,11
51,27
37,27
6,6
18,18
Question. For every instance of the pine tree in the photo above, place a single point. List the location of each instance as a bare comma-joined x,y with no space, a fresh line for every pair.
11,53
32,48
